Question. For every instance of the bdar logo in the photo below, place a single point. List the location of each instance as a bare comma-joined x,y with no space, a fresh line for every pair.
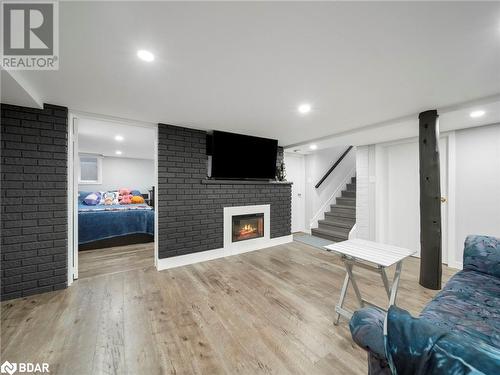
8,368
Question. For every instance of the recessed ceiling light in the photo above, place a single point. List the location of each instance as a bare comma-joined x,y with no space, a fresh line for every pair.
145,55
119,138
313,147
118,152
304,108
476,114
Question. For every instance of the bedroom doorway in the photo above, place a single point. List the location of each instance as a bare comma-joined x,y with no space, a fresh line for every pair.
112,215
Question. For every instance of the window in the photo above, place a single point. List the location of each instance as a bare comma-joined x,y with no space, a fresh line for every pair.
90,169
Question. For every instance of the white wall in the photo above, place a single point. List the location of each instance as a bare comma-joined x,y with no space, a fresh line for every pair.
316,165
295,172
124,173
477,183
470,180
365,192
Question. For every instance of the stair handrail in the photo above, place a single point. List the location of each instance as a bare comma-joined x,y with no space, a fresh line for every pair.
333,167
342,184
353,232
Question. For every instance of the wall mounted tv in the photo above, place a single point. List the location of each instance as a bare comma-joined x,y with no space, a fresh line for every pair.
237,156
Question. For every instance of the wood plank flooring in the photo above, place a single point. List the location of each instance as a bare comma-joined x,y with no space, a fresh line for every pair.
269,311
115,259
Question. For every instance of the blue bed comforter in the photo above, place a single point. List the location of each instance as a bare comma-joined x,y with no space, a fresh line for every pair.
94,225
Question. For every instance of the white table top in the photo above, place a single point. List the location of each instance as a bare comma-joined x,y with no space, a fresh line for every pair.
374,252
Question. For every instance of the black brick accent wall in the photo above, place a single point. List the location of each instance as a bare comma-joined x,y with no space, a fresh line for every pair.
34,224
190,214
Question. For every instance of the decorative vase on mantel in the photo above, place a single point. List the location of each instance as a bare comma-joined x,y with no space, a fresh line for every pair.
281,172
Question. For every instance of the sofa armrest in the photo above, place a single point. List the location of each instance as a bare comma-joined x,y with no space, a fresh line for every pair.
482,254
419,346
367,330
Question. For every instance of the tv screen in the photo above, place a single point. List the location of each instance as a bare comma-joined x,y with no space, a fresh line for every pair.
237,156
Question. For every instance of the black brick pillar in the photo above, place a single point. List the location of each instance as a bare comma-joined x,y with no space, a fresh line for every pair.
34,225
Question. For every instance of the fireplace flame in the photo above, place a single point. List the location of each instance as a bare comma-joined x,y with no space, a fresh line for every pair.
247,229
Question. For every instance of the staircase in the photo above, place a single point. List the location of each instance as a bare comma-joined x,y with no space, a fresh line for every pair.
341,218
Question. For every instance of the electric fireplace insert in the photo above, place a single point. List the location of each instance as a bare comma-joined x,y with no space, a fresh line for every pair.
247,227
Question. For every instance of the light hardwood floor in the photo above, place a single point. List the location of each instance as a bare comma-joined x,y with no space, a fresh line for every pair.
269,311
115,259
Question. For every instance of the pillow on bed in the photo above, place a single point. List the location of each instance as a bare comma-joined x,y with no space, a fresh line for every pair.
92,199
135,192
82,195
102,196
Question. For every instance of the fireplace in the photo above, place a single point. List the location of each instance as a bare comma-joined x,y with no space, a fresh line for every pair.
247,227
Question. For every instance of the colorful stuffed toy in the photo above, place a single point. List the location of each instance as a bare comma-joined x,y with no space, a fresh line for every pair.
137,199
126,199
110,197
124,191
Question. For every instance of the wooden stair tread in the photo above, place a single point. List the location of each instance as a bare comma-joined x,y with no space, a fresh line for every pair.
337,223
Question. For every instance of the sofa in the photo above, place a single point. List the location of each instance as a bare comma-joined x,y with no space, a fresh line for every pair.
458,332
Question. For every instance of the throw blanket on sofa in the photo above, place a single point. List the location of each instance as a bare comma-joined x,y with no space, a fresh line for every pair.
458,332
420,347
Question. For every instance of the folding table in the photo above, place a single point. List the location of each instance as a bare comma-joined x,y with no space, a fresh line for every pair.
358,252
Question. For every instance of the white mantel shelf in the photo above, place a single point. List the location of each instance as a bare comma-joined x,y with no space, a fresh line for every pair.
244,182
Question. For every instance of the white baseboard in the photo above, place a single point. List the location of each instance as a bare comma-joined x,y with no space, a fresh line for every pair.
184,260
456,265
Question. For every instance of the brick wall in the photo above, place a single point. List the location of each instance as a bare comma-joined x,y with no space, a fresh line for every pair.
191,213
34,200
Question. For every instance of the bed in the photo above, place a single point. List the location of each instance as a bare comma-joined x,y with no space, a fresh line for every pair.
114,225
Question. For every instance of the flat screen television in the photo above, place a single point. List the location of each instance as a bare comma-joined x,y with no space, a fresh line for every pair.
237,156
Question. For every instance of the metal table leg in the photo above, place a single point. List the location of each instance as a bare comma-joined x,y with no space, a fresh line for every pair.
391,291
385,281
349,266
395,283
343,292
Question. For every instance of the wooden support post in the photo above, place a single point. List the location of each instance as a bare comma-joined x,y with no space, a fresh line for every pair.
430,201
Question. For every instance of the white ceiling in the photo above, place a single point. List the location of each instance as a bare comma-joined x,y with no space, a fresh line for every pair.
14,91
98,137
244,67
407,127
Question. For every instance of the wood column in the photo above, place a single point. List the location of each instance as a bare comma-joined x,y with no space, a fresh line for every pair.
430,201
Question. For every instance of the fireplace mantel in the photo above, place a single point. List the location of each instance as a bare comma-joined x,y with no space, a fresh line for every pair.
243,182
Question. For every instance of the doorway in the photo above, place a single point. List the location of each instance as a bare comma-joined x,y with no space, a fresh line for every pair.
295,172
112,195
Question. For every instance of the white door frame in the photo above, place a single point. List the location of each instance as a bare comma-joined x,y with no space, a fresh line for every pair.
381,196
73,166
72,213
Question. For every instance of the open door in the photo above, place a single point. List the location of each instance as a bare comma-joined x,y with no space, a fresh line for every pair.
74,167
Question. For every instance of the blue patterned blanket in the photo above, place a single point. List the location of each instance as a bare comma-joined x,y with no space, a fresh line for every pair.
458,332
96,225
